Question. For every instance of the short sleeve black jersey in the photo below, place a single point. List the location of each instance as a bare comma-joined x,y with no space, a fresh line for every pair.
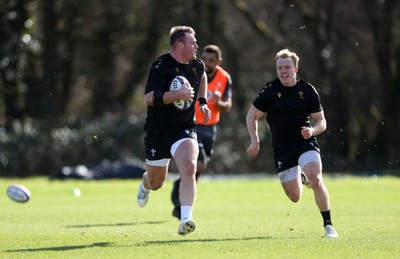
288,109
166,119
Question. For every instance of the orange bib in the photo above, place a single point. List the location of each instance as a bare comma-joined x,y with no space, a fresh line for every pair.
218,83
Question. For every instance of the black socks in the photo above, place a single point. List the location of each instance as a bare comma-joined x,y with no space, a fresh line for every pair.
326,215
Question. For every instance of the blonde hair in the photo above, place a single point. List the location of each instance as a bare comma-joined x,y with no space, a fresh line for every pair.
286,53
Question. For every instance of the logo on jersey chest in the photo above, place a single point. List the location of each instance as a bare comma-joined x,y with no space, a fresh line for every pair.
194,69
300,93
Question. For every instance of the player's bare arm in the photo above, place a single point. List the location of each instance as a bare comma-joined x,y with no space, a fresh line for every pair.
203,94
252,117
318,125
224,104
185,93
203,87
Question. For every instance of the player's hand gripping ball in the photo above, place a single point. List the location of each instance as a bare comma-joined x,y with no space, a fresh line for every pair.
177,84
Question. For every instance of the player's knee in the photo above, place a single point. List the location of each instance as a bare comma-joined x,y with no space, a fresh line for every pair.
189,170
294,197
155,185
315,181
188,174
293,194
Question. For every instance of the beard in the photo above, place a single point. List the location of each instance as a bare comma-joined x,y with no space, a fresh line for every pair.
209,70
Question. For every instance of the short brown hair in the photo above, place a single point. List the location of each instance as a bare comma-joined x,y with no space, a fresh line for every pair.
177,33
286,53
213,49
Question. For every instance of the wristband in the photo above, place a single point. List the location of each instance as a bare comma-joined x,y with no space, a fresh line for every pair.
202,100
158,97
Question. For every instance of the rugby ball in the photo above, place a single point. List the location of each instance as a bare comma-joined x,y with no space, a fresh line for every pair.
176,84
18,193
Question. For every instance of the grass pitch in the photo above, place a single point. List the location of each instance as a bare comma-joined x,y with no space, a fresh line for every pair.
236,218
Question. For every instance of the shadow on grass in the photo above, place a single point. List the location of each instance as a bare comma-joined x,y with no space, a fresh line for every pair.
116,224
60,248
171,242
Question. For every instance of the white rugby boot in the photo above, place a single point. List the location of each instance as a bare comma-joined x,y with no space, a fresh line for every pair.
330,232
187,226
142,196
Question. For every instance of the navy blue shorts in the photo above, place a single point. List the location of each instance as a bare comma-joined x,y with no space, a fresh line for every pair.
206,135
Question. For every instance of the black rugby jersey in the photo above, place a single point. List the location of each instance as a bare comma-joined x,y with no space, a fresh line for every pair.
167,119
288,109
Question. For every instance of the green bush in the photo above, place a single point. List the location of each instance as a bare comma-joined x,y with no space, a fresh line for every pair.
34,147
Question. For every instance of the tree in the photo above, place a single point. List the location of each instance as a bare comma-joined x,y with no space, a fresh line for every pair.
12,21
381,17
71,70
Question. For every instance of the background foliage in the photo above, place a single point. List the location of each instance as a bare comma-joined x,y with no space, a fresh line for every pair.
72,75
